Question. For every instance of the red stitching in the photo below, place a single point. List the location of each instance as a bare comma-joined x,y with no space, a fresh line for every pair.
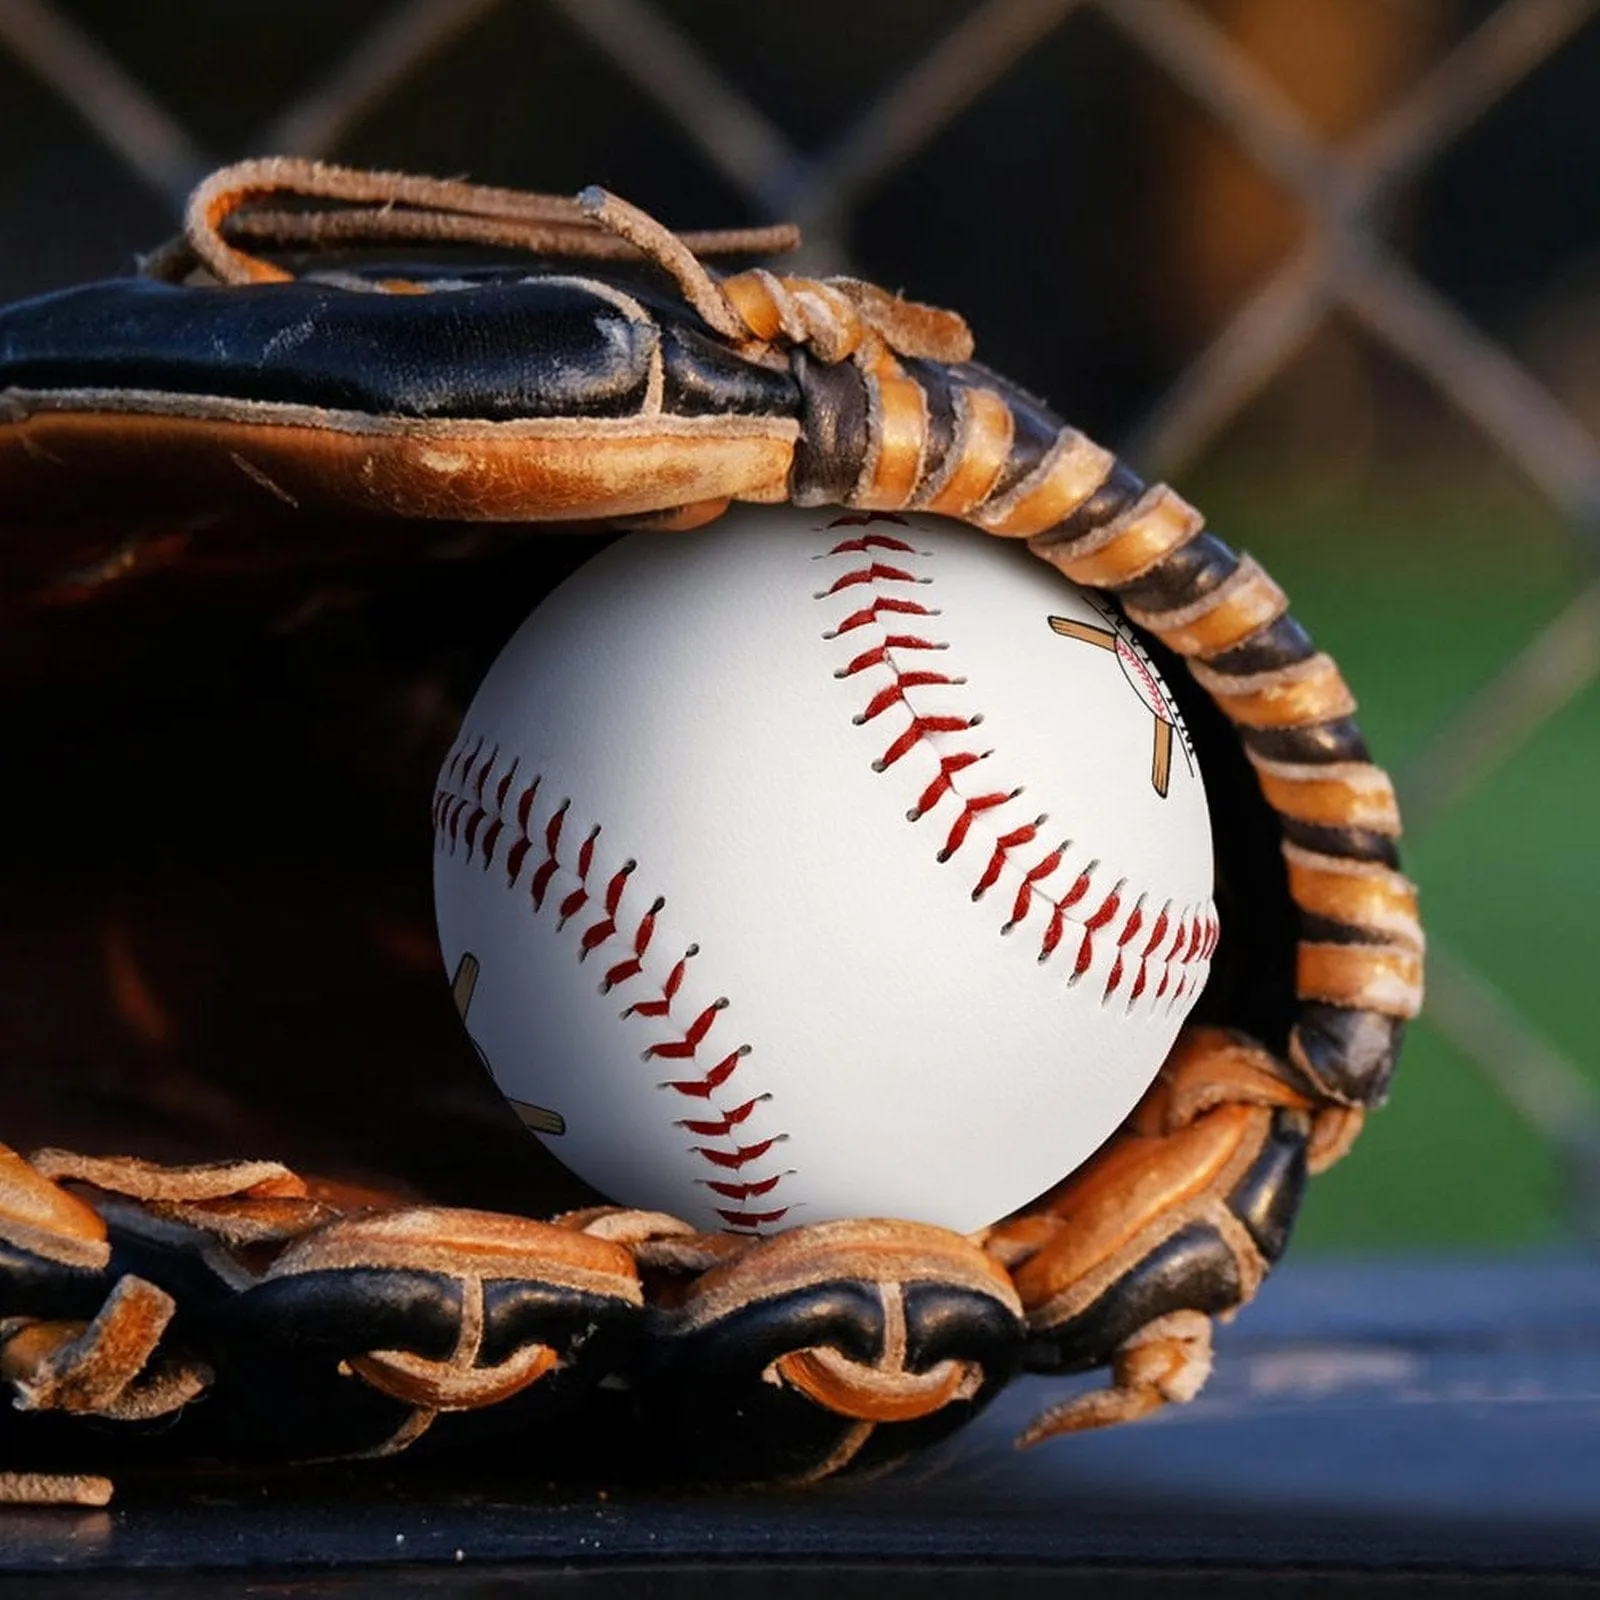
971,810
521,845
1118,966
597,933
702,1088
751,1221
873,541
1129,655
471,815
878,572
919,729
870,614
725,1125
875,656
744,1191
740,1157
894,694
1193,939
683,1049
1024,901
546,870
949,766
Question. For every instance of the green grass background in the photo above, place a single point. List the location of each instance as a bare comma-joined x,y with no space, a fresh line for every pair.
1422,599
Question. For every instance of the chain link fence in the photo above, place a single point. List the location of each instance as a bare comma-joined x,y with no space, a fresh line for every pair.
995,127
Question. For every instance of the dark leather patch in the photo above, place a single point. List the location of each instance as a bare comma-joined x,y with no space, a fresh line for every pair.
705,1393
944,1322
740,1345
1121,488
1338,739
496,352
1280,644
31,1286
1192,570
709,1398
1351,1052
1035,427
185,1274
1191,1270
1353,844
706,379
1267,1197
833,433
1326,930
517,1313
348,1312
278,1350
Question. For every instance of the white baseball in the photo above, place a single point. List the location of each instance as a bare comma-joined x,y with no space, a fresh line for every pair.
804,867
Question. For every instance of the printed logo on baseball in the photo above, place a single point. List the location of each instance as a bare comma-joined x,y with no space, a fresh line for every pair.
811,866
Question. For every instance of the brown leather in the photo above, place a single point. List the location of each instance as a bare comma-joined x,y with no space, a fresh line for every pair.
63,463
39,1216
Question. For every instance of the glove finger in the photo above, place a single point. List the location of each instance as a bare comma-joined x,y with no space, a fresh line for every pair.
366,1333
1186,1222
845,1342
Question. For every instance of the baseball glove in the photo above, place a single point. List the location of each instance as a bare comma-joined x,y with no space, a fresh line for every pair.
265,505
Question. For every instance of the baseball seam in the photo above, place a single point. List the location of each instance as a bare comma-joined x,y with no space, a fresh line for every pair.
1154,696
1179,942
472,816
1136,660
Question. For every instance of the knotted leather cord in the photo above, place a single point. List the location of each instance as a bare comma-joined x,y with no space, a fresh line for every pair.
380,225
390,207
662,246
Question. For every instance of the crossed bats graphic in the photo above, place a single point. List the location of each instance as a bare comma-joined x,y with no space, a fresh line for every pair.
1160,712
535,1117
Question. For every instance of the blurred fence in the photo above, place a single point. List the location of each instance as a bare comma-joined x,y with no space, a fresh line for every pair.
722,85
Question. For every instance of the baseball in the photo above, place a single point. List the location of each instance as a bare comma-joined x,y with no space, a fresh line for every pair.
816,865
